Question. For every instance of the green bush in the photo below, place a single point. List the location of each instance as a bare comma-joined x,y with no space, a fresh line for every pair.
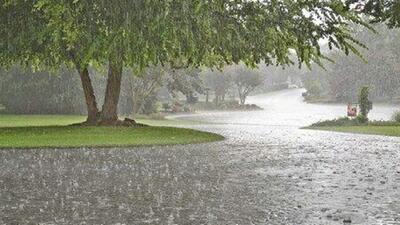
149,105
342,121
396,116
166,106
358,121
365,104
361,119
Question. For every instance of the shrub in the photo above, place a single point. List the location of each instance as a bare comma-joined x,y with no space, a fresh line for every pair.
166,106
365,103
150,105
361,119
335,122
396,116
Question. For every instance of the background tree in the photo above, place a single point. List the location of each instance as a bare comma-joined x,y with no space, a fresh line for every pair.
218,82
142,88
342,79
117,33
245,79
186,81
365,103
387,11
28,92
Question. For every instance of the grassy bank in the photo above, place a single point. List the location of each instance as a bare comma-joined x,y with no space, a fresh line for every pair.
386,128
36,131
63,120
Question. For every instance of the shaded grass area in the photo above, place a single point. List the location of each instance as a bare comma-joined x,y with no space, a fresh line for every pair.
39,120
7,120
37,131
393,130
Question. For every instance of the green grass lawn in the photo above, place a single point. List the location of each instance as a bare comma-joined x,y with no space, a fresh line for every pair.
62,120
36,131
367,129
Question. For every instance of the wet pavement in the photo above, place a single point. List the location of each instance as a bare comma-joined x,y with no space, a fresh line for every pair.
267,171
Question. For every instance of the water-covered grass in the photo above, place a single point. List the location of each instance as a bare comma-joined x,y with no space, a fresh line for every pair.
386,130
35,131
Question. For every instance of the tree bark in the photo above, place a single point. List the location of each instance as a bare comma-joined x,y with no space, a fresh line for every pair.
113,89
207,96
242,96
91,104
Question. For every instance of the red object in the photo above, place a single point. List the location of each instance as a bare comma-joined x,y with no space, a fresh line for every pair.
351,110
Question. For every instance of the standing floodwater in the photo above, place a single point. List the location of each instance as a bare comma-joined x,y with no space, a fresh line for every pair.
267,171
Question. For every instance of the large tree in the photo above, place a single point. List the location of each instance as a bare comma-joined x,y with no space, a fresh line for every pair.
137,34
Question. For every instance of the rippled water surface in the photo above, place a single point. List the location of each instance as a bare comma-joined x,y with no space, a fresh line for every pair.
267,171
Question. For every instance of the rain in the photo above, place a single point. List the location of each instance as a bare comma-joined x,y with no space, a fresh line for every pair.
166,120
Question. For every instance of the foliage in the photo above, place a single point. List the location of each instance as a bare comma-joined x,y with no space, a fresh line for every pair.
186,81
166,106
381,10
234,80
396,116
150,32
230,105
341,81
218,82
140,90
342,121
365,103
245,79
27,92
358,121
137,34
362,119
150,104
314,87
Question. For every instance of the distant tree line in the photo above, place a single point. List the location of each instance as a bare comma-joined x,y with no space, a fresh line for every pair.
24,91
342,80
29,92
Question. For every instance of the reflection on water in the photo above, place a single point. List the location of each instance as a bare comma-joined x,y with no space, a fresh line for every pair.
267,171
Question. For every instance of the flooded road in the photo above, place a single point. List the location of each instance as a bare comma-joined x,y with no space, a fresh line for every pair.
267,171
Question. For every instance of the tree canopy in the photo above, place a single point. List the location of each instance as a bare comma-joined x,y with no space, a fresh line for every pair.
342,80
51,32
380,10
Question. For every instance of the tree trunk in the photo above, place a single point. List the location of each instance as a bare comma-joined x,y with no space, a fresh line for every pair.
90,98
113,89
242,96
137,104
242,100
